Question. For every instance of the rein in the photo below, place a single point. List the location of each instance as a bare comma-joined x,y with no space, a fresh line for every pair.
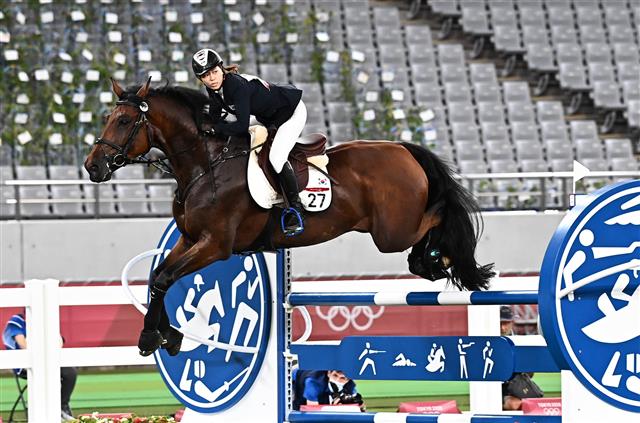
222,157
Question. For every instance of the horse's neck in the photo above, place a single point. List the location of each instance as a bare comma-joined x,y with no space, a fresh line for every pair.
188,158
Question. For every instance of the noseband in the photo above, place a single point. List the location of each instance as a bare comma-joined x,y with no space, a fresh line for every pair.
121,159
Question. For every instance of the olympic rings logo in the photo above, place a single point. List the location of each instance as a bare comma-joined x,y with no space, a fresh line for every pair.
552,411
350,317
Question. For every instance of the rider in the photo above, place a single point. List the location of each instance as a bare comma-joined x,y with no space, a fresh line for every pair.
271,104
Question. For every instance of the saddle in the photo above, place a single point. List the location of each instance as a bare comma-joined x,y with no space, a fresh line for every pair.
312,152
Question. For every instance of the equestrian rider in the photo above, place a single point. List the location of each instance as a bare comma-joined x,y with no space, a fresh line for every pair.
243,95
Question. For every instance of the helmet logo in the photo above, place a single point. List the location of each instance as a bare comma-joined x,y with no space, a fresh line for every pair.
201,57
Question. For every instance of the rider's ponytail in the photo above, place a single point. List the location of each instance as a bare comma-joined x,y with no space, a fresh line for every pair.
233,68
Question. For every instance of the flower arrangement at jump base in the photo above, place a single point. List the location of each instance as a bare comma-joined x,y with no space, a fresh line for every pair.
122,418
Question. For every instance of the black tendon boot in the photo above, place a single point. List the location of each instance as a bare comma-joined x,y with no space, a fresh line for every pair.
292,221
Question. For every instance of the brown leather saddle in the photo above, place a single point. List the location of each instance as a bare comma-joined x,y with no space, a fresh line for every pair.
316,145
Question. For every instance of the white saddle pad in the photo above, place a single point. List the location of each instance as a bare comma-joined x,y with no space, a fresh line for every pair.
315,197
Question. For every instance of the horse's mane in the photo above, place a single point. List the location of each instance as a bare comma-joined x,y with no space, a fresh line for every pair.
194,100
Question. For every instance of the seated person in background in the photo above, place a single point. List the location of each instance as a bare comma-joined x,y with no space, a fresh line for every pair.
313,387
14,337
521,385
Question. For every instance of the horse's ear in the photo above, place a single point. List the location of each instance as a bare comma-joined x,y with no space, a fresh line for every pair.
117,89
144,90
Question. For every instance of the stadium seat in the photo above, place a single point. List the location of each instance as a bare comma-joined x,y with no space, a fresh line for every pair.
424,73
66,192
563,33
520,112
573,76
583,129
457,93
468,150
558,149
474,18
451,54
453,73
160,199
554,131
597,52
534,165
419,35
629,72
569,53
461,113
491,112
496,131
465,132
418,54
549,111
630,91
539,56
486,92
33,193
507,38
274,72
498,150
524,131
7,193
592,33
618,148
483,72
528,150
587,148
339,112
341,132
606,95
516,91
427,94
601,72
621,34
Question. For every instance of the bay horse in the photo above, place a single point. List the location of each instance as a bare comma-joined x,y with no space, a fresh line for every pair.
403,195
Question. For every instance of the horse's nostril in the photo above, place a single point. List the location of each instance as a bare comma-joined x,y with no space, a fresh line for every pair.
93,168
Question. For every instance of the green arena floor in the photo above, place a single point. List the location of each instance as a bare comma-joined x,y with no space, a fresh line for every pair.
144,392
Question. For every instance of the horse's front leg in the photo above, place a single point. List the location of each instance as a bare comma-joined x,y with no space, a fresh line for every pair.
200,254
171,338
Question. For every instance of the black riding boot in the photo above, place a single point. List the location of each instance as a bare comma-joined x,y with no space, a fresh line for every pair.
292,221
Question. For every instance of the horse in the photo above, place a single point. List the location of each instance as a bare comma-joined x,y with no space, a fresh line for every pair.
403,195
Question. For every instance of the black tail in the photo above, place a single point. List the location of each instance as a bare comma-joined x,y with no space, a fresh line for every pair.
458,233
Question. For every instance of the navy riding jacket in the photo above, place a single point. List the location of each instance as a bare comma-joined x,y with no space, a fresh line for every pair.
245,95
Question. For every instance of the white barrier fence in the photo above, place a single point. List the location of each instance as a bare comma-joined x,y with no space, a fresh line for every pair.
44,355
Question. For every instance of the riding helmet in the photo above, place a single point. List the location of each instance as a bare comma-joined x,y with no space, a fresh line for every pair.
204,60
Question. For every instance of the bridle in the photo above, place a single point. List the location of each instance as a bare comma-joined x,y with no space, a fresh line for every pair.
121,158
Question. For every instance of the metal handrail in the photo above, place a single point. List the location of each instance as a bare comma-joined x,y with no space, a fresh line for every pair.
467,179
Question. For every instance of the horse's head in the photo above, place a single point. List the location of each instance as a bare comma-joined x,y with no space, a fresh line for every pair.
126,136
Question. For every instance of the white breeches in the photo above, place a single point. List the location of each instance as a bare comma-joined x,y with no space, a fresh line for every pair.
287,136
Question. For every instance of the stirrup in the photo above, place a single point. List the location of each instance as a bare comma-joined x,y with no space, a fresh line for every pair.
291,230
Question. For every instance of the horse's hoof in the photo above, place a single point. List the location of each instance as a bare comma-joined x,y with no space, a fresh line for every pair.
172,341
150,340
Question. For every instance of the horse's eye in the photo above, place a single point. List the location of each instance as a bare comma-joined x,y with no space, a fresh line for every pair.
124,120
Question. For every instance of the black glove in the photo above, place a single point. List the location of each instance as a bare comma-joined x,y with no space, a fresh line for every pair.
209,132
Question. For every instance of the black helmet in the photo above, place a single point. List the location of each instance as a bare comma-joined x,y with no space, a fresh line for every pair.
204,60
